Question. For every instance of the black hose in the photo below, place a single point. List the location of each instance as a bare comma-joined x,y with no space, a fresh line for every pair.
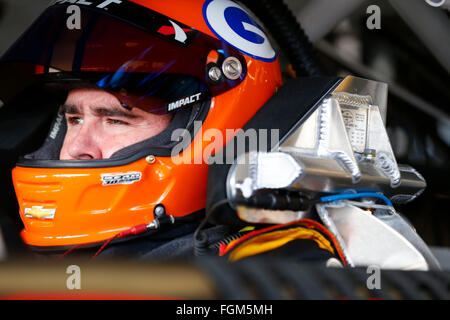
276,201
287,32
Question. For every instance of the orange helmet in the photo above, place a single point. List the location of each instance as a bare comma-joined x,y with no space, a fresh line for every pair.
205,61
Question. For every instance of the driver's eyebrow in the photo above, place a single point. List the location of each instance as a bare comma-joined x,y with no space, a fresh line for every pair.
100,111
69,109
114,112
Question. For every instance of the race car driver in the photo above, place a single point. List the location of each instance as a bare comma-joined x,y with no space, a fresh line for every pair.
126,79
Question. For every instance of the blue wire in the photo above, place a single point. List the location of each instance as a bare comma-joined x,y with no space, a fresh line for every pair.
356,195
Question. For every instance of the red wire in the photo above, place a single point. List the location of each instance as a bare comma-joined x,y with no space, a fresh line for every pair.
141,228
132,231
323,229
104,245
71,249
84,244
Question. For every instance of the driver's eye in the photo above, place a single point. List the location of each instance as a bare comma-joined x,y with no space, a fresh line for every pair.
116,122
72,120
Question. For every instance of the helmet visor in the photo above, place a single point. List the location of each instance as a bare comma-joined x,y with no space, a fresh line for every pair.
145,59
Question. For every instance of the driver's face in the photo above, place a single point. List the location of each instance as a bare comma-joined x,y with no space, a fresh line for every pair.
98,126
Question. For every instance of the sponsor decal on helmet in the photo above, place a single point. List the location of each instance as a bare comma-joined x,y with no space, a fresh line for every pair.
109,179
38,212
183,102
232,24
57,126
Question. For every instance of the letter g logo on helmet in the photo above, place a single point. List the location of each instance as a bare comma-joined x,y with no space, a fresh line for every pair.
232,24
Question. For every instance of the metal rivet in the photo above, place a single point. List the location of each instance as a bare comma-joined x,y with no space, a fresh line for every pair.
150,159
159,211
215,74
232,68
